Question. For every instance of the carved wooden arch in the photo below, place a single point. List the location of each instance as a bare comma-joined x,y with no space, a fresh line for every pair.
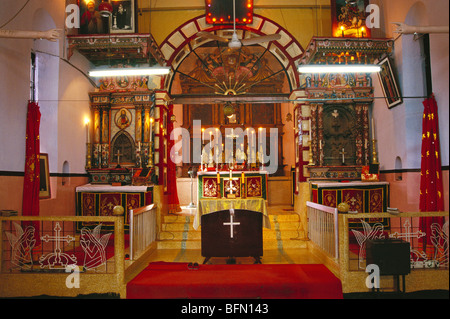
129,157
182,41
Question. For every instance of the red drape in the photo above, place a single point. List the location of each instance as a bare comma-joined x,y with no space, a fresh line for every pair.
30,201
173,201
431,186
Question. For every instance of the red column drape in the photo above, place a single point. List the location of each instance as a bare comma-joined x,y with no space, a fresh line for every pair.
173,201
431,186
30,201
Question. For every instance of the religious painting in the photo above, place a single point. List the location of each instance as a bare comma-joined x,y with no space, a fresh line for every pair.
91,21
349,18
44,181
123,16
389,84
123,118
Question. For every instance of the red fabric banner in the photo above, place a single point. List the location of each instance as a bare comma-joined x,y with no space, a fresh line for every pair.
431,186
31,183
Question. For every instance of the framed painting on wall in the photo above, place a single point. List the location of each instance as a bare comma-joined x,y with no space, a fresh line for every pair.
389,84
348,18
91,21
123,17
44,180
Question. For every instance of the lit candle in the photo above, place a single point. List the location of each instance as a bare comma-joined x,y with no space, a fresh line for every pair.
86,122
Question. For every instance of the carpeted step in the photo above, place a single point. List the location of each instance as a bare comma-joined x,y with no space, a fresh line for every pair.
272,281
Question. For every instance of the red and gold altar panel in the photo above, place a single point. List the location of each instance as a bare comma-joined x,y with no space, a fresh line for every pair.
251,184
362,197
100,200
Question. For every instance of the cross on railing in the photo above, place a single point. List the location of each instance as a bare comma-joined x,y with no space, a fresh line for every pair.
57,258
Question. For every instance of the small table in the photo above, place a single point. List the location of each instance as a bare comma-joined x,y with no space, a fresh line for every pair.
206,206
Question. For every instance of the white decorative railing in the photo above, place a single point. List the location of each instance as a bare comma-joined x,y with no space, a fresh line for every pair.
323,228
143,229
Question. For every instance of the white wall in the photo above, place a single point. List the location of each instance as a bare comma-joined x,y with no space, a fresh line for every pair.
399,129
63,98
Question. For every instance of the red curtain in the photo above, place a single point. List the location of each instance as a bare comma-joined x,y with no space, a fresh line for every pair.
431,186
173,201
30,201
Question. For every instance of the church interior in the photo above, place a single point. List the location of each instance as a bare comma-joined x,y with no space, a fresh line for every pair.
290,149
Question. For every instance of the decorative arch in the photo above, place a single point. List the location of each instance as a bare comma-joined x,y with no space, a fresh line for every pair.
182,41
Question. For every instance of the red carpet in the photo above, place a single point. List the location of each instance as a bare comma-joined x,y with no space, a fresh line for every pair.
279,281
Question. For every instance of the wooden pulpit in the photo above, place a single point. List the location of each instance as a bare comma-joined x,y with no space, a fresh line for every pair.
232,233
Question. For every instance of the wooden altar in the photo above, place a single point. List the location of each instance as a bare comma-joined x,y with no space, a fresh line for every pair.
100,200
232,233
362,197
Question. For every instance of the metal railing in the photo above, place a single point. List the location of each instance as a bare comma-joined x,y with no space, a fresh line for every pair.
143,229
49,249
323,228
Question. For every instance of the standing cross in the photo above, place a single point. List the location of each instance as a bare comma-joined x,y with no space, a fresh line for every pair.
231,223
118,154
230,187
343,155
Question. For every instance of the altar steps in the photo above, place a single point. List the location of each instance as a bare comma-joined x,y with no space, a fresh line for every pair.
177,232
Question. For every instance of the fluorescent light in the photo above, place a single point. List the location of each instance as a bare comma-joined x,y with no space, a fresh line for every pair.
130,71
353,68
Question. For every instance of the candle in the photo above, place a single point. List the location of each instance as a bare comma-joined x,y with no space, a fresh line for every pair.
242,177
86,122
373,129
139,145
343,155
310,130
218,178
151,129
320,144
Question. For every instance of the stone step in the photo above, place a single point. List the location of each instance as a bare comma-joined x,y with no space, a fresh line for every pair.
179,219
269,234
196,244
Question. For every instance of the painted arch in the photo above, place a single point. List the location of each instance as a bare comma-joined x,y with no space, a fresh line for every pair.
183,41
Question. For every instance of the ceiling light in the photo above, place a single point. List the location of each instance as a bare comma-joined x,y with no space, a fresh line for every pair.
354,68
130,71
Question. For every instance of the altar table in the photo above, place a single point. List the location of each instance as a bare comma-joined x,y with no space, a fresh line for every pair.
206,206
255,184
363,197
100,200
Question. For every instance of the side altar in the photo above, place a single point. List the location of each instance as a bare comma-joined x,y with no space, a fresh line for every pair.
100,200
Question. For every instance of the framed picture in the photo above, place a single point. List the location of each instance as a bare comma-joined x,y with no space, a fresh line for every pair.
91,21
389,84
123,17
348,18
44,181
